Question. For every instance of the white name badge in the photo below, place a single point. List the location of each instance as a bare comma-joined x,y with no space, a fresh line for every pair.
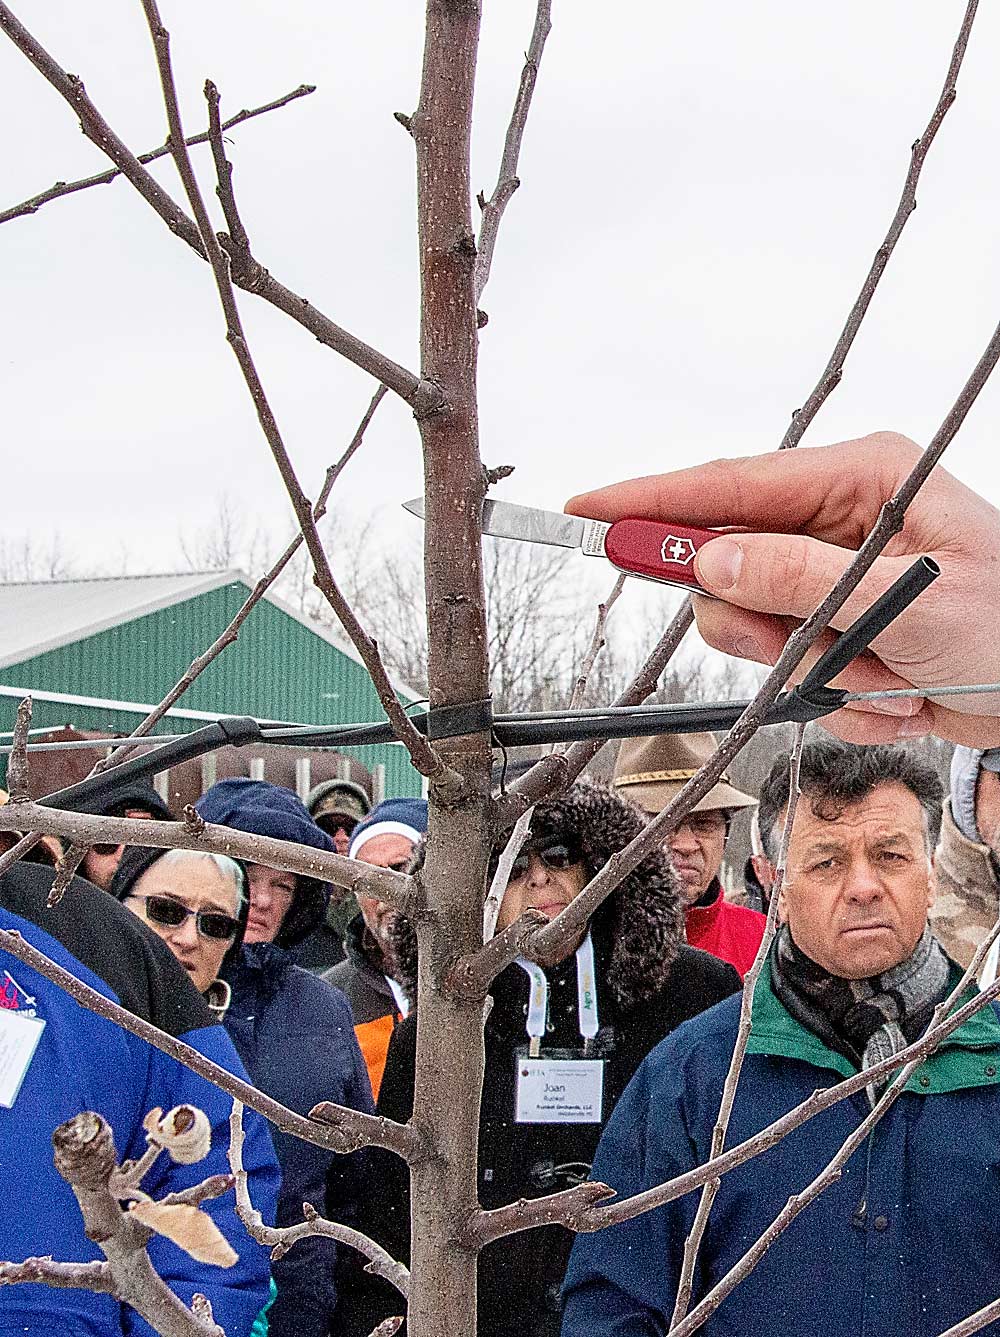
553,1090
19,1036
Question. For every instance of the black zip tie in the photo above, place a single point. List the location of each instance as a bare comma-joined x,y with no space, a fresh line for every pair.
811,700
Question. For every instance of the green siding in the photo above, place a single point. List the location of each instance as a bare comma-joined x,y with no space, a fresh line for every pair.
276,669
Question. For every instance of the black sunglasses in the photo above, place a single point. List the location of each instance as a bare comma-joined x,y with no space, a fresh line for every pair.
556,854
170,913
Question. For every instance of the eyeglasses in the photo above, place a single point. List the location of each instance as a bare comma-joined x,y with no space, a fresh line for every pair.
703,825
557,855
171,914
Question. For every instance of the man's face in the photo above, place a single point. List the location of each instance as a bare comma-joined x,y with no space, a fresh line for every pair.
271,894
338,826
386,851
858,888
696,848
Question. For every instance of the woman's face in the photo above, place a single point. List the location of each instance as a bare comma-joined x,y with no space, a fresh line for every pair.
546,876
197,885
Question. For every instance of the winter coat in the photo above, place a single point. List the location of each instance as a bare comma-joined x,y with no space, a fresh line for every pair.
295,1034
83,1062
731,932
968,892
366,988
904,1242
647,983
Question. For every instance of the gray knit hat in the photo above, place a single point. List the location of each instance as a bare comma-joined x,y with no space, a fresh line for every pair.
966,763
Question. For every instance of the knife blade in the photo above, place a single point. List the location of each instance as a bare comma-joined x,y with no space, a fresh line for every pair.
651,549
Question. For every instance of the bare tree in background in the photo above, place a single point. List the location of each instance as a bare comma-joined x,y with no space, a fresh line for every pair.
446,901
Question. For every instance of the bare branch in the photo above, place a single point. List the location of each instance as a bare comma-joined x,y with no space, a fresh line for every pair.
507,180
24,846
18,786
555,773
422,396
281,1240
596,645
572,1209
227,637
62,188
974,1322
470,977
494,897
834,369
224,174
212,1187
708,1194
63,1276
346,1129
84,1154
398,889
422,754
65,872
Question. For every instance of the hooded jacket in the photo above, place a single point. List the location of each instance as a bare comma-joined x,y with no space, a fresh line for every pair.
295,1033
85,1062
968,891
647,982
904,1241
366,988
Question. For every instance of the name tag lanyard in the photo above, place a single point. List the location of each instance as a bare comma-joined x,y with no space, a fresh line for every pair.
400,998
586,999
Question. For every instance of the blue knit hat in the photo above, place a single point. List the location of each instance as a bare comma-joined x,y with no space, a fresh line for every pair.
395,817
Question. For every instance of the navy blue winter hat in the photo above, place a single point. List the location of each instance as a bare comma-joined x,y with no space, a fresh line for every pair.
394,817
263,809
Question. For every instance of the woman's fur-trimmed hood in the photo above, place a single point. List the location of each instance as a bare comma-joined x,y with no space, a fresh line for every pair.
641,922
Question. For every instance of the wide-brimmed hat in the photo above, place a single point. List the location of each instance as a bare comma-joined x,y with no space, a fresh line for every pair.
652,771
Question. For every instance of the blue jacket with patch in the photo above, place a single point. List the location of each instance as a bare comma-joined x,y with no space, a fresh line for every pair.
905,1242
83,1062
295,1033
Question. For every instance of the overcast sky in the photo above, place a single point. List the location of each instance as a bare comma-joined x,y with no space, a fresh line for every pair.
703,188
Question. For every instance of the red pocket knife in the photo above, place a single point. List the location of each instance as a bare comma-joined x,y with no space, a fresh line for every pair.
652,549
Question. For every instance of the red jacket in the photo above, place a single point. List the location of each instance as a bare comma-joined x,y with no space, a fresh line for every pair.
730,932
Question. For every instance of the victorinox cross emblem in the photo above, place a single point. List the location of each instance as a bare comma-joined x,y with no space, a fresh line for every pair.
675,550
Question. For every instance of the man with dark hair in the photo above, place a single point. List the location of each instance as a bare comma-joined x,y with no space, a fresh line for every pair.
853,977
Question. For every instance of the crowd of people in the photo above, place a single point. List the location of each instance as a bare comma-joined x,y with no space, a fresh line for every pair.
608,1063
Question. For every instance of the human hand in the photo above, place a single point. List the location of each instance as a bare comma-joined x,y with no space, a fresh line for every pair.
810,510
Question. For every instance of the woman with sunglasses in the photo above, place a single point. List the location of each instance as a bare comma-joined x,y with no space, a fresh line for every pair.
197,903
561,1046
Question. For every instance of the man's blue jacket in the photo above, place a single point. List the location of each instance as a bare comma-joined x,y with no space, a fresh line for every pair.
85,1063
907,1241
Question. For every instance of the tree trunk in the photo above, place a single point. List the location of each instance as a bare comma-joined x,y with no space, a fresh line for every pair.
449,1032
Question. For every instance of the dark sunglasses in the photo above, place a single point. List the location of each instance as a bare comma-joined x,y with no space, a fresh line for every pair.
557,854
171,914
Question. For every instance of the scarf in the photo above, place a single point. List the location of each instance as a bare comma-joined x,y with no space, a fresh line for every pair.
866,1020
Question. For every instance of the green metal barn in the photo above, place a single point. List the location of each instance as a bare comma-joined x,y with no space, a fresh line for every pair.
98,654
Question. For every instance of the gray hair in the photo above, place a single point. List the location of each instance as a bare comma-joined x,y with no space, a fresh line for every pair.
228,867
835,775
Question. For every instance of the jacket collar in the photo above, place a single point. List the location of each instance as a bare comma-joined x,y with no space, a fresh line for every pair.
701,916
965,862
969,1057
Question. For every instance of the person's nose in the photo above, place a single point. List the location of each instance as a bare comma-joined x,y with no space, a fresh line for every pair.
863,885
186,932
683,841
538,872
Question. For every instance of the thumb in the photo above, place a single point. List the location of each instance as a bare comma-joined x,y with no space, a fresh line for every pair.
789,574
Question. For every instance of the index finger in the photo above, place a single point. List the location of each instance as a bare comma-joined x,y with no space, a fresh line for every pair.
831,492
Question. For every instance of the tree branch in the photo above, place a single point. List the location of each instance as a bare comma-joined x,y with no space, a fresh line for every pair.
422,396
342,1130
399,889
498,884
596,645
708,1194
507,180
279,1241
834,369
18,786
422,754
62,188
84,1154
974,1322
573,1209
95,1277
